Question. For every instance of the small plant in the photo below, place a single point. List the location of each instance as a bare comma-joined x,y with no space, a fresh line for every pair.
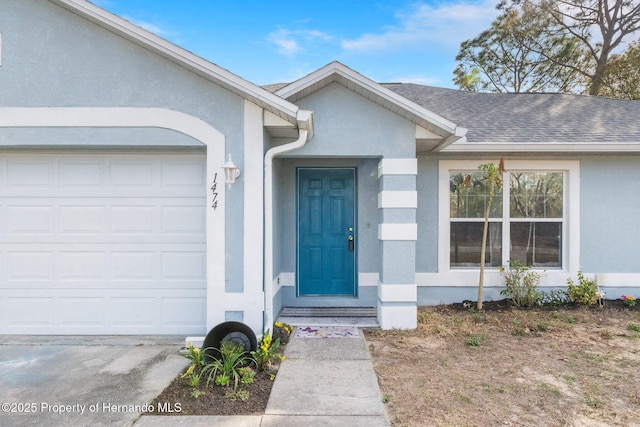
634,327
386,398
226,369
553,298
282,331
267,351
542,327
195,393
246,375
585,292
478,318
475,340
242,395
521,284
194,370
222,380
629,301
519,330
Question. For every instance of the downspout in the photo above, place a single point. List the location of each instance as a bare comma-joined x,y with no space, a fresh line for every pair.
305,124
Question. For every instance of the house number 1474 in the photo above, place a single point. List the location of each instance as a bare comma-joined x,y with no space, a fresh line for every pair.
214,193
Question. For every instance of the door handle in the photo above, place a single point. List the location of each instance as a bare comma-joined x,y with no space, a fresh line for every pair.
351,244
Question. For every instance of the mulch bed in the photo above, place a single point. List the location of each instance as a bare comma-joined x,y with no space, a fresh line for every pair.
214,402
505,304
215,399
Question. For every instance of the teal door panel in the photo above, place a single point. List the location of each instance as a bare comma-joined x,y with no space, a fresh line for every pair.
326,213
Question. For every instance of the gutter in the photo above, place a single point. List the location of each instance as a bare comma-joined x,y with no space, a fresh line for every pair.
458,134
305,124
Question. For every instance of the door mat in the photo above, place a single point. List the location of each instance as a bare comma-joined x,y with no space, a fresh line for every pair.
326,332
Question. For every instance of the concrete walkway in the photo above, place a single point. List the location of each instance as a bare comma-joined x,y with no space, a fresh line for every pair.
323,382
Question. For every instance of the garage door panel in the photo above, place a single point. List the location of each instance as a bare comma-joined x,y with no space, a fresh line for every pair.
183,174
183,311
30,265
76,311
80,218
102,243
25,311
29,219
22,173
183,219
80,173
185,266
82,265
131,174
133,265
138,219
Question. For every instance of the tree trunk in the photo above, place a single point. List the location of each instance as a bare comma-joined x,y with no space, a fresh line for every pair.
483,249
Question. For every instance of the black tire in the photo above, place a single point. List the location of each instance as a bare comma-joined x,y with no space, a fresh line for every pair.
233,331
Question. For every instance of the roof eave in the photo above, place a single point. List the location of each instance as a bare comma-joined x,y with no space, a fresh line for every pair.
337,72
542,147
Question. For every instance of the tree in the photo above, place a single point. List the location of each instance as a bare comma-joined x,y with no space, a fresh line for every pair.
597,26
570,42
493,183
501,59
622,76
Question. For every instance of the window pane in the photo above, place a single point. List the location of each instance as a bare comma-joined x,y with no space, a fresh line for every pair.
537,243
536,195
466,240
470,201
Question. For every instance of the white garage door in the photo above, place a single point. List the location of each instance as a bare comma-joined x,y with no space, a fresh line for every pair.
99,243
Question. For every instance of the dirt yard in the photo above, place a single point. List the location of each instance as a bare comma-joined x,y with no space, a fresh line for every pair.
505,367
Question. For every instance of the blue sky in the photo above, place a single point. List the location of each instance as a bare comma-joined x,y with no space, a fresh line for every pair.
273,41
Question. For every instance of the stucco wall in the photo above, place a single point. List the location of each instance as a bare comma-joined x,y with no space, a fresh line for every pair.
347,124
610,208
54,58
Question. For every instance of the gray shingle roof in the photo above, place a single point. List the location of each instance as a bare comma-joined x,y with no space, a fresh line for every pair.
530,117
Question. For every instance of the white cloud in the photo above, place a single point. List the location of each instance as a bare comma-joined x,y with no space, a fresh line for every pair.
290,42
443,25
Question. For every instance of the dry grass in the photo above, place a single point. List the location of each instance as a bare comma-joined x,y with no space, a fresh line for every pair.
570,367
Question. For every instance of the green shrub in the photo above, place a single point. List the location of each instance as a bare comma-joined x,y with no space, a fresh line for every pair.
227,369
585,292
521,284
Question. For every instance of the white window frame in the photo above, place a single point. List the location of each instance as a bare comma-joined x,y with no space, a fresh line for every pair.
571,209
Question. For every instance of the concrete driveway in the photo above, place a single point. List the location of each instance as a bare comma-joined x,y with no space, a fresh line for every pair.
98,380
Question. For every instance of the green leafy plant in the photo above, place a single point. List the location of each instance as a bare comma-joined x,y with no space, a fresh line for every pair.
246,375
521,284
194,371
241,395
629,301
634,327
226,369
222,380
476,340
267,351
585,292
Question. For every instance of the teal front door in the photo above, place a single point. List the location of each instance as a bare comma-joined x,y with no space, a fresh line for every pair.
326,214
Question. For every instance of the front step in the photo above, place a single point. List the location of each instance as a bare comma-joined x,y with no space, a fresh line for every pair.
362,317
328,312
